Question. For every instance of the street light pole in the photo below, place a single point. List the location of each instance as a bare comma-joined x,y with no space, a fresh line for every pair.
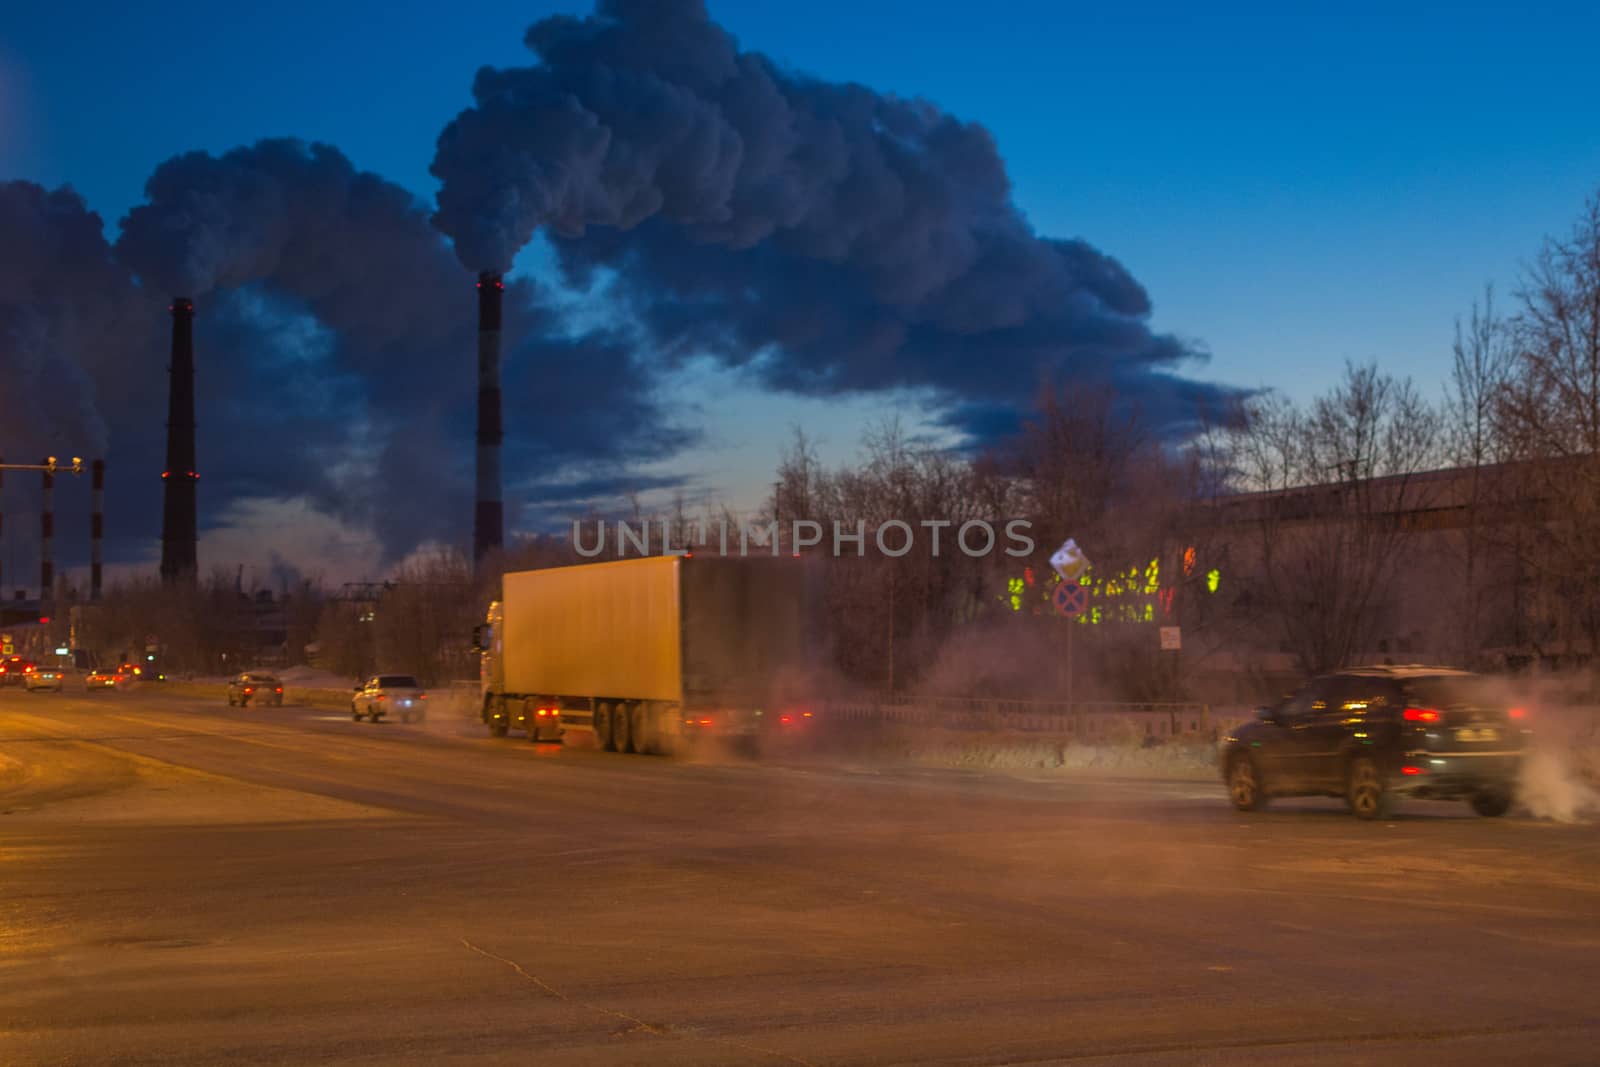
49,469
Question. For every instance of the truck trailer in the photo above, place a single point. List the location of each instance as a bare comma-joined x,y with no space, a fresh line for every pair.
649,655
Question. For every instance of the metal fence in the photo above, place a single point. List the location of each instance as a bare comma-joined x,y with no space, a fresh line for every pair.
1084,720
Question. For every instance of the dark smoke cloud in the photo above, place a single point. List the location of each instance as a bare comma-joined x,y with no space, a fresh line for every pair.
335,342
372,416
833,238
61,295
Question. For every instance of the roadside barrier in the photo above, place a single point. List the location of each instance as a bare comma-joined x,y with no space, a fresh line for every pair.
1087,721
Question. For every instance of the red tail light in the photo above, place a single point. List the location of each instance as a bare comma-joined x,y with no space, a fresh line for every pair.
1423,715
278,690
248,690
422,696
705,722
1518,713
1413,770
786,718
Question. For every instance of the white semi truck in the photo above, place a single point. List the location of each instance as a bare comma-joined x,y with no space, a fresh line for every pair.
649,655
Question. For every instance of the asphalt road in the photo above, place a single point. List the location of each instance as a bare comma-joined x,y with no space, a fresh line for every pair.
184,883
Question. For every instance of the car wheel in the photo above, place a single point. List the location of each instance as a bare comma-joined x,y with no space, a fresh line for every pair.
1491,803
1367,793
1244,784
230,700
355,713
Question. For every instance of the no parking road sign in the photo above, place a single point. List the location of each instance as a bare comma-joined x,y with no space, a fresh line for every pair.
1070,599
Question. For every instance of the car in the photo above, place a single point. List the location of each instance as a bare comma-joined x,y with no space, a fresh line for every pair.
385,693
42,678
99,680
257,688
14,669
1373,735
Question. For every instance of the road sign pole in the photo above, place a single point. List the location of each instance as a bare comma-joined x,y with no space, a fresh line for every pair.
1072,624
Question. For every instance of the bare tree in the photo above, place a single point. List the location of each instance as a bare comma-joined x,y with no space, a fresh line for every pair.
1552,413
1333,484
1475,442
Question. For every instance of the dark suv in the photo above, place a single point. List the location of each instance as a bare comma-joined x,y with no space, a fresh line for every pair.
1372,734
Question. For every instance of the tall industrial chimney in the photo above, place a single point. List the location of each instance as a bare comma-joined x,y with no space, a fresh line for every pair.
178,517
488,517
97,524
47,529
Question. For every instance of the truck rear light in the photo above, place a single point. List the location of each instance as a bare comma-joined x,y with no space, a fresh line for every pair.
1423,715
705,722
1413,770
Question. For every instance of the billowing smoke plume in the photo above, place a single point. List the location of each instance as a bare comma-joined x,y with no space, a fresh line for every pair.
827,237
832,237
61,296
334,342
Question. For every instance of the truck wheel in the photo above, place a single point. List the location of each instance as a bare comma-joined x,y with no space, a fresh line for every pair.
497,727
622,727
602,727
1367,793
643,727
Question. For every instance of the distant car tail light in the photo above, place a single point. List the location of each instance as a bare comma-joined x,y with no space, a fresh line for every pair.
705,722
1423,715
1518,713
278,690
1413,770
248,690
786,718
383,696
422,696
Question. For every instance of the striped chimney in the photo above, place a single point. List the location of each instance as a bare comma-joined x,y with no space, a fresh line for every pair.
47,529
488,526
178,517
97,524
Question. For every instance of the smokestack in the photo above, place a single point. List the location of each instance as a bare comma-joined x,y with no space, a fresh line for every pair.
47,528
178,517
488,517
97,525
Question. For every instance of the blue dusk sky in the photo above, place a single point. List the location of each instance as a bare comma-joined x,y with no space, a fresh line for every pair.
1293,188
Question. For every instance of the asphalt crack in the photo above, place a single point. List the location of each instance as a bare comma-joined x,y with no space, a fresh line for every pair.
636,1024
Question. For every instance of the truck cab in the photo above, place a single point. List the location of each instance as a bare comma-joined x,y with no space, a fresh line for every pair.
500,711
